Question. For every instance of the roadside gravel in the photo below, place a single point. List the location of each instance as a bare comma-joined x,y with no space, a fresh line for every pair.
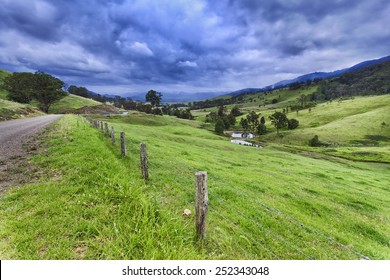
17,142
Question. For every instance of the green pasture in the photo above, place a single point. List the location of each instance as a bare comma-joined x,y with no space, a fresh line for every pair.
269,203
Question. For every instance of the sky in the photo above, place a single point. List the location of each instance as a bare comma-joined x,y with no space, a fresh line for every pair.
122,47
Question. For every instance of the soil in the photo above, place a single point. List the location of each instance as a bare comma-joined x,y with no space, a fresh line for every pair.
17,169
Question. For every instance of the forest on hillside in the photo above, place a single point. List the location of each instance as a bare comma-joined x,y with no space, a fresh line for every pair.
370,80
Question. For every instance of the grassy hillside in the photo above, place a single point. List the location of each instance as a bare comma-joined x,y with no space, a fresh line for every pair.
64,105
263,203
13,110
3,74
70,103
348,126
358,128
261,101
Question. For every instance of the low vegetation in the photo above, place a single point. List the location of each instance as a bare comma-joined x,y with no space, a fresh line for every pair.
12,110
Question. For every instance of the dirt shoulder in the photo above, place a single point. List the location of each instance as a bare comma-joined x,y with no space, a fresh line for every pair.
19,141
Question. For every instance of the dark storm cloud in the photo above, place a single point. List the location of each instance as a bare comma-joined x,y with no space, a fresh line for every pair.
274,10
37,20
188,45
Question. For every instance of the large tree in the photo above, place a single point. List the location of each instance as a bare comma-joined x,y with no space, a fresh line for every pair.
20,86
251,121
47,90
279,120
24,87
153,97
235,111
219,127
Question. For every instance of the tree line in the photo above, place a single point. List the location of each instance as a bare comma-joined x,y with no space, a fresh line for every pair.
25,87
279,120
369,80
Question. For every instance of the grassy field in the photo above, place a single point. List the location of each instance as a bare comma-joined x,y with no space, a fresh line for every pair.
269,203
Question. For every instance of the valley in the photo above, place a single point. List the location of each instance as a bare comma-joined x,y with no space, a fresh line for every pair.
287,200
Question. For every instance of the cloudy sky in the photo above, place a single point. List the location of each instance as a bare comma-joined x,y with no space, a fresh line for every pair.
182,46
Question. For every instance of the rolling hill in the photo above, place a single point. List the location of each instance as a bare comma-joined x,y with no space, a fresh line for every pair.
11,110
70,103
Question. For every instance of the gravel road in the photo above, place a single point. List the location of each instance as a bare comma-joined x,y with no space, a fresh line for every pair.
13,134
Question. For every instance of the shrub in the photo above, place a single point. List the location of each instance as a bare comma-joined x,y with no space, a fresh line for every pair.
292,124
315,142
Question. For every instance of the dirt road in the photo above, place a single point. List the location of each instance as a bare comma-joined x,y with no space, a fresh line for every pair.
15,138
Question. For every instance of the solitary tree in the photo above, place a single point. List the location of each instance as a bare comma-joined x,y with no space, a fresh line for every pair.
153,97
253,120
261,129
302,100
47,90
279,120
221,111
219,126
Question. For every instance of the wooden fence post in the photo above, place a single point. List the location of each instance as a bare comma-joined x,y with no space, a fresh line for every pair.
101,125
201,203
144,162
123,144
106,129
112,135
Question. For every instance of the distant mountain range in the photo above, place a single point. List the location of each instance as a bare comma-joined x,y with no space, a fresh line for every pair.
187,97
311,76
326,75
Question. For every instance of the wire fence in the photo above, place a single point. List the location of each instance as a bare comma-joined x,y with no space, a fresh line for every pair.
252,225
